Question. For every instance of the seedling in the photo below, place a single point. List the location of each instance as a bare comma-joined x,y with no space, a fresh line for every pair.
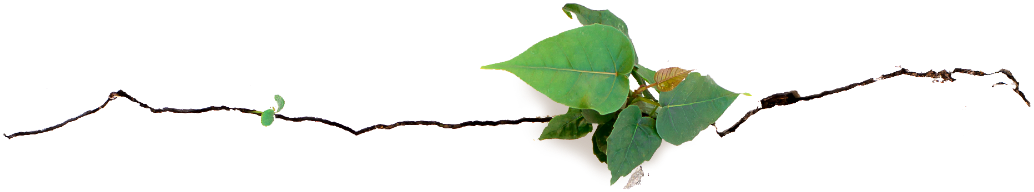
588,69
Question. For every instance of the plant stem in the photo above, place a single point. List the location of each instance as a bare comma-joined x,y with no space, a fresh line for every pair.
639,80
642,87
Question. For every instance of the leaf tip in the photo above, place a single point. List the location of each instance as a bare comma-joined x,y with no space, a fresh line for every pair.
489,66
747,94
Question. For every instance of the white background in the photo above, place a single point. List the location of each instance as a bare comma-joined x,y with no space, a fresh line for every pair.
414,164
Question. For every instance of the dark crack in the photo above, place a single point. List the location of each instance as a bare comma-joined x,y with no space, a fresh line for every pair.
360,130
8,136
120,93
791,97
195,110
354,130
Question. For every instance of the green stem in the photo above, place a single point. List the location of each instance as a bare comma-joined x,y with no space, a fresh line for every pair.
640,81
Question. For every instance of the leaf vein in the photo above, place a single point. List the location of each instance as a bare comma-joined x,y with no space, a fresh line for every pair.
709,100
571,70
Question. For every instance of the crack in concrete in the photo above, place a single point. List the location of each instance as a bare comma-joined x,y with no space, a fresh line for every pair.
790,97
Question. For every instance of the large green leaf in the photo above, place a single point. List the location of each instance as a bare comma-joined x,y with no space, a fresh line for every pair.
567,126
584,68
599,140
688,109
588,16
632,142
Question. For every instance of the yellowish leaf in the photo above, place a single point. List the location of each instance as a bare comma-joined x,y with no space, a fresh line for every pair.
668,78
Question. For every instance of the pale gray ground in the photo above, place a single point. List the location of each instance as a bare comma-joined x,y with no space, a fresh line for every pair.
578,151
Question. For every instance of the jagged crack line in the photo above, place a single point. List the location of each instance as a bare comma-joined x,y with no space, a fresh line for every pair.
360,130
791,97
354,130
8,136
196,110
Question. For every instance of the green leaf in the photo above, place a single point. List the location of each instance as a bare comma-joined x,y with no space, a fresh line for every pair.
567,126
268,117
599,140
639,80
594,117
279,103
696,103
588,16
648,106
583,68
632,142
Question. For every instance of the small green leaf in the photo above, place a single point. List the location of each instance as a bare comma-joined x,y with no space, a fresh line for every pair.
268,117
688,109
747,94
648,106
594,117
599,140
588,16
279,103
632,142
567,126
583,68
